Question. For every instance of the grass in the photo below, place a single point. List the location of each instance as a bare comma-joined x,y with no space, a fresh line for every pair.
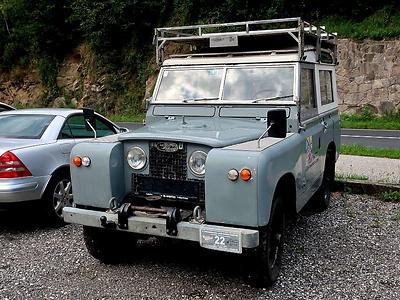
396,216
392,196
127,118
370,121
384,23
351,177
368,151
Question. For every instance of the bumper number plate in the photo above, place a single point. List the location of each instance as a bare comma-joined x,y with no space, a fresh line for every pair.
221,240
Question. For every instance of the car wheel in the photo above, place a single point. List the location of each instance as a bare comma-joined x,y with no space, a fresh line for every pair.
322,197
266,259
57,196
108,246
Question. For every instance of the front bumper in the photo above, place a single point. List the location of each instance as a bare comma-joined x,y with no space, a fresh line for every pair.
22,189
157,226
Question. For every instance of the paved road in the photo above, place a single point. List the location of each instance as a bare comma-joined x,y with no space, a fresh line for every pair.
367,137
372,138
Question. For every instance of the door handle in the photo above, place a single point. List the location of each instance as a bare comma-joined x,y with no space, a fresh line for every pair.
325,126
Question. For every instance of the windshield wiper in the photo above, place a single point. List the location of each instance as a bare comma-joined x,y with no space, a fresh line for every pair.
187,100
271,98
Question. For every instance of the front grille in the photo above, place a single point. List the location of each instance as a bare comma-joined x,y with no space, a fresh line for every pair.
169,189
168,165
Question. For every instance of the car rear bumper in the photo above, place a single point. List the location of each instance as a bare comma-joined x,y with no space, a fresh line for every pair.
249,238
22,189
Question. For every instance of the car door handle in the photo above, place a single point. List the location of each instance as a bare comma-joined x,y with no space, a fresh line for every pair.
325,126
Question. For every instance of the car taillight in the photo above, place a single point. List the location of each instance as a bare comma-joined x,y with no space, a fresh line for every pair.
12,167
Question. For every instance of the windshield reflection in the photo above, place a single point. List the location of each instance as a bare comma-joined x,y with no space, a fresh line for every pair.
257,83
240,84
189,84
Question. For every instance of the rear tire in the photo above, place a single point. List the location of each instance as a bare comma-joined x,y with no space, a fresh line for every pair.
266,259
108,246
58,195
322,197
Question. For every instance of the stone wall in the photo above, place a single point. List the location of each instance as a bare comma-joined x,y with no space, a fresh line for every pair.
368,74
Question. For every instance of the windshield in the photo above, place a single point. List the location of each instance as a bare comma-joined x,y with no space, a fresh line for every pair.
184,85
251,84
257,83
24,126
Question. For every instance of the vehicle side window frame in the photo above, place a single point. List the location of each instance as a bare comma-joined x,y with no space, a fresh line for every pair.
108,124
311,112
332,105
65,124
72,134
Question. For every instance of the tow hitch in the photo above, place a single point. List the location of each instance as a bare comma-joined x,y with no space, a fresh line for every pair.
126,210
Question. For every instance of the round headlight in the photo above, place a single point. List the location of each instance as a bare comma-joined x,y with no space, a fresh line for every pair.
136,158
197,162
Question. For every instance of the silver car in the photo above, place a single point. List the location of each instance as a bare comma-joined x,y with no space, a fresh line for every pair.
5,107
35,146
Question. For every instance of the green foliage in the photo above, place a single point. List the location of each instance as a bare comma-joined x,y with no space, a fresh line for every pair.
384,23
368,120
351,177
368,151
396,216
30,29
127,117
120,32
392,196
48,71
112,26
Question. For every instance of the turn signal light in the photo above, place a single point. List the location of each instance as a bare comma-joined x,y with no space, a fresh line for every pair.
77,161
245,174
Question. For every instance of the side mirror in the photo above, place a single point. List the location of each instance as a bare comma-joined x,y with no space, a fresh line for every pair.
147,102
277,120
89,117
123,129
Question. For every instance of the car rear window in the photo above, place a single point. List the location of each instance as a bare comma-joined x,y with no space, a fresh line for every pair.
24,126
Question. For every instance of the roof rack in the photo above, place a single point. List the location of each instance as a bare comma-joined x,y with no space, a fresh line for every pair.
226,37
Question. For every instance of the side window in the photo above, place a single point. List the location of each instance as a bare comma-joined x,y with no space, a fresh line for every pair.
103,129
308,102
65,132
78,128
325,82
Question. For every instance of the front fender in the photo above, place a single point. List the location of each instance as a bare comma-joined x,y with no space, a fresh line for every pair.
248,203
95,185
231,202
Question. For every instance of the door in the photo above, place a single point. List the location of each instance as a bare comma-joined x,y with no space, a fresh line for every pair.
327,103
311,132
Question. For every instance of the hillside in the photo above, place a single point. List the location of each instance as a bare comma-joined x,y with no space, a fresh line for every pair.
99,53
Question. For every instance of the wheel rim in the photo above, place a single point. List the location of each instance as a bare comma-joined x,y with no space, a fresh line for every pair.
62,196
275,239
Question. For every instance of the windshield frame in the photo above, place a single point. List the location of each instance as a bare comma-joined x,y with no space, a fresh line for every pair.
38,137
225,67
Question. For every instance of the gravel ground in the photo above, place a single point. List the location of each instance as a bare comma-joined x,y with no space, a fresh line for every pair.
351,251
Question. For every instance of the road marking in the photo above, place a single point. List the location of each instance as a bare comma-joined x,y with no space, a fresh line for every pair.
372,137
366,129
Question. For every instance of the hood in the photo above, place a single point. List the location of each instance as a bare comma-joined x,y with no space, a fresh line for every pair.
215,132
14,144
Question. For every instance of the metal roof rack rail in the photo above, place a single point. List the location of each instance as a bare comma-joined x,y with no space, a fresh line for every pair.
226,37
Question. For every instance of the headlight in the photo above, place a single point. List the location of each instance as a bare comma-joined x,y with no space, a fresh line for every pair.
197,163
136,158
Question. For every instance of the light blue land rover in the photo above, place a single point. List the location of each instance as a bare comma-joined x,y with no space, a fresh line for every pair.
242,132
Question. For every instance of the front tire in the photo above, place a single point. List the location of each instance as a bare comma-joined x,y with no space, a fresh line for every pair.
108,246
266,259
